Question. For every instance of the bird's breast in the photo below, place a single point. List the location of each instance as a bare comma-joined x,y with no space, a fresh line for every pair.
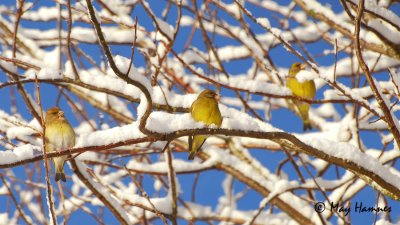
60,136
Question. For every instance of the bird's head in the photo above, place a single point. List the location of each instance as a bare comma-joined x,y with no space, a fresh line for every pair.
54,113
208,94
296,68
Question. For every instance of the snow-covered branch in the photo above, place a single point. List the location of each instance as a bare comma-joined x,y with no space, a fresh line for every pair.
126,73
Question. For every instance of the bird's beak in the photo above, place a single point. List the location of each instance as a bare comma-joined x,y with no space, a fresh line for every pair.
217,97
61,114
303,66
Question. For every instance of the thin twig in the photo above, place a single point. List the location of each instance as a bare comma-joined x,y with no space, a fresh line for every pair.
388,116
45,161
173,187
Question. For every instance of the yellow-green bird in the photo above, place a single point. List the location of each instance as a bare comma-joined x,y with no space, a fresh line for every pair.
204,109
305,89
59,136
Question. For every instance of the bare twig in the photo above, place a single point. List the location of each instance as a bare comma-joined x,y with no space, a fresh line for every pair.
49,189
388,116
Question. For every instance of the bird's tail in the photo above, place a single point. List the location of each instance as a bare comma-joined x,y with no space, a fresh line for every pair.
304,108
191,155
307,125
60,176
195,143
59,166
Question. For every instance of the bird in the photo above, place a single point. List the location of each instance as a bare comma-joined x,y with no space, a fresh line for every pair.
59,135
304,89
204,109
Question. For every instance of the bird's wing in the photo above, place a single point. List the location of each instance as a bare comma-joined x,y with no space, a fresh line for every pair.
305,89
309,89
201,110
68,136
294,86
198,142
215,117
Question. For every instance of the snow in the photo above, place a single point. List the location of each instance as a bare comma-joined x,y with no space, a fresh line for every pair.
172,122
266,180
264,22
17,154
23,131
69,73
351,153
157,185
370,5
161,204
165,28
44,14
388,32
382,221
305,75
88,156
180,166
87,35
85,127
8,65
3,190
257,86
110,136
50,205
4,218
175,122
281,186
337,133
123,64
101,189
46,73
95,78
72,204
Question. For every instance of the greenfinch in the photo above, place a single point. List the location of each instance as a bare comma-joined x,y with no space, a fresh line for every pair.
59,136
204,109
305,89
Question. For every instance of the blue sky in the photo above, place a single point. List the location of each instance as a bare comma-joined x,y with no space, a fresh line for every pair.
209,181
